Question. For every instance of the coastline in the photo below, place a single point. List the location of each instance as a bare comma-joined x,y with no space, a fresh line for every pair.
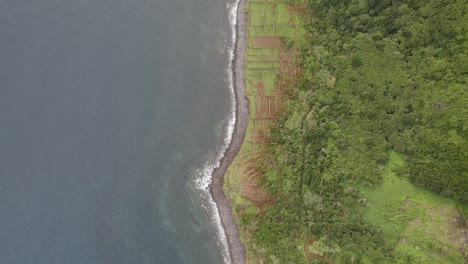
230,202
236,249
261,56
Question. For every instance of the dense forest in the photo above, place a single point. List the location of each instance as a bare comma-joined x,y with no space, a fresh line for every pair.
382,79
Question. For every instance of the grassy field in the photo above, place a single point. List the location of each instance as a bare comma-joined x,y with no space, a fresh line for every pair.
424,226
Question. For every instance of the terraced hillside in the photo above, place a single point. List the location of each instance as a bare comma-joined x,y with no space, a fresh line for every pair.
274,37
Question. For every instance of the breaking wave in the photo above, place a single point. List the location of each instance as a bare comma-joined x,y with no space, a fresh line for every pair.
203,181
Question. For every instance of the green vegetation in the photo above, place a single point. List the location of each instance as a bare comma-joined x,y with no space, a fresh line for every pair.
418,223
271,24
368,163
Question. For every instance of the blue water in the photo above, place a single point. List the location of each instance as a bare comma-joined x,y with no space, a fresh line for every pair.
107,110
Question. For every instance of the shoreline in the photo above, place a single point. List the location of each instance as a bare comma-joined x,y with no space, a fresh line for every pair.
236,249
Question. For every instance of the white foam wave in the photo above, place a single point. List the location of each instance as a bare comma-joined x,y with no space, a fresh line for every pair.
203,182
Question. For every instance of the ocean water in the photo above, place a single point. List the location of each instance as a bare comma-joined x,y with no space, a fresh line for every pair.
110,111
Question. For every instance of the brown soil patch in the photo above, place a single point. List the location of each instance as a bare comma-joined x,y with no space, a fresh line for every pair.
260,88
250,190
265,42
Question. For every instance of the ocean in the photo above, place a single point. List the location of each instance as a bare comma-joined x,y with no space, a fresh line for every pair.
112,112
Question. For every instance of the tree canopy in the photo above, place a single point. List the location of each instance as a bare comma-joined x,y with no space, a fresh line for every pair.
380,76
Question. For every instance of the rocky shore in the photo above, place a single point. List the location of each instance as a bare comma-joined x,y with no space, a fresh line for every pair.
236,248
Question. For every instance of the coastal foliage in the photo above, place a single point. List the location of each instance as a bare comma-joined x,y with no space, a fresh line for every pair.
369,158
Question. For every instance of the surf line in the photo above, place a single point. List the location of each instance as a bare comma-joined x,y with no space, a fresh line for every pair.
211,178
